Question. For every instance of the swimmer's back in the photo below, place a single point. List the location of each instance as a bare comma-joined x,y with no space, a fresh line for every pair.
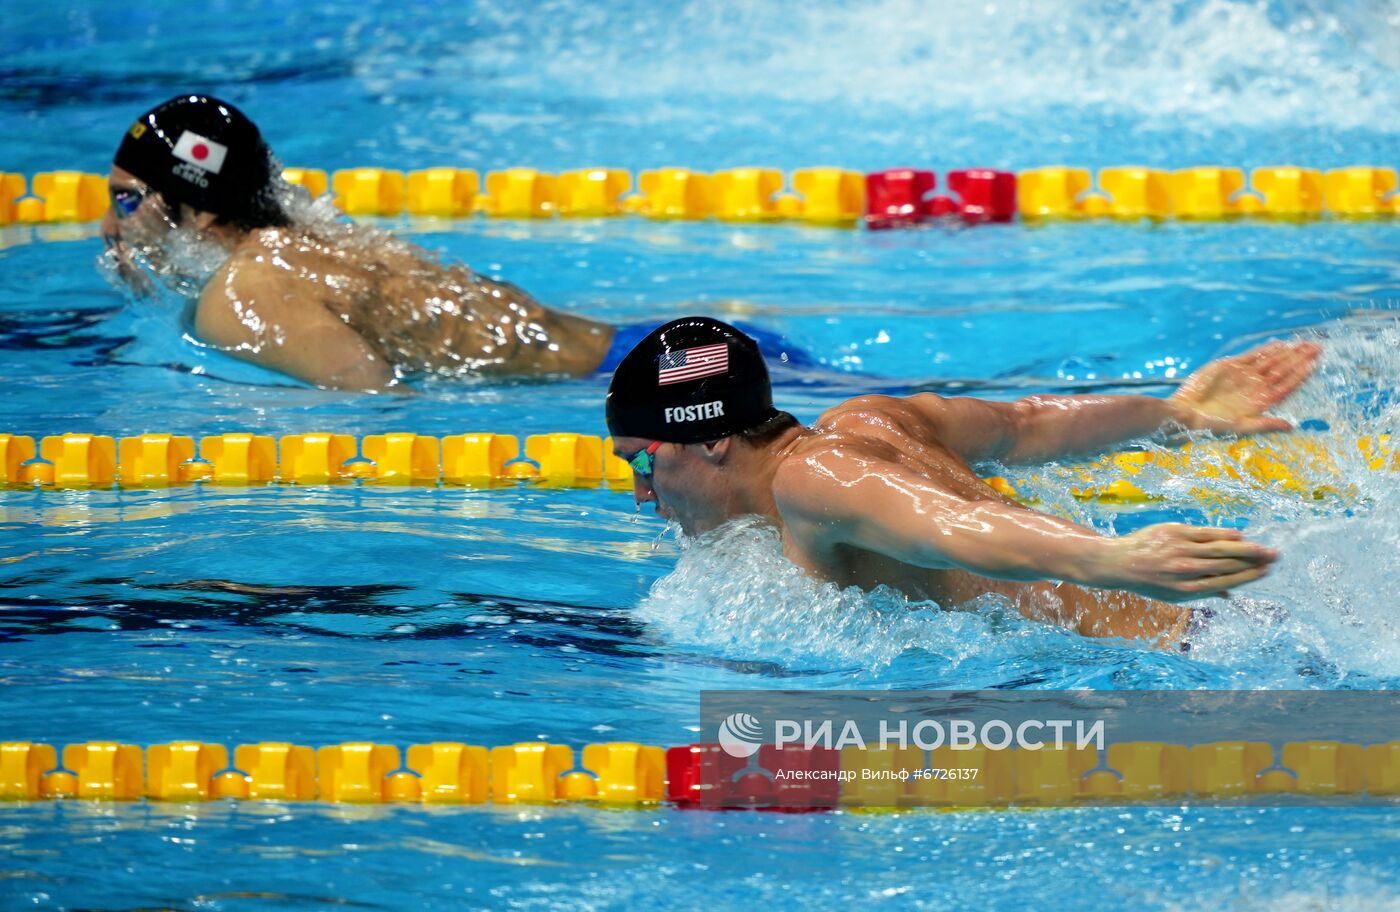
250,309
911,431
289,287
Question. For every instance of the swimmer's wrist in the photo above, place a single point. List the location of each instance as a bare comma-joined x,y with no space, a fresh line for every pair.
1181,414
1096,562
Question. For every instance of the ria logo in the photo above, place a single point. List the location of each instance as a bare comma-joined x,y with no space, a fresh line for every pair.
740,735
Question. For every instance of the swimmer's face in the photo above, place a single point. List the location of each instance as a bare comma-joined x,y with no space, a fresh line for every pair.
684,484
139,231
137,216
134,229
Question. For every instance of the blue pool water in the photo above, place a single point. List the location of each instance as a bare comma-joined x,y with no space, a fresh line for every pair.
321,615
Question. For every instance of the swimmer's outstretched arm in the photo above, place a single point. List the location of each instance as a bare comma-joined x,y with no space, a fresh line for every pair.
849,495
1230,395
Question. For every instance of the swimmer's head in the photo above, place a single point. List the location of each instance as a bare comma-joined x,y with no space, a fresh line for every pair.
695,379
675,407
202,153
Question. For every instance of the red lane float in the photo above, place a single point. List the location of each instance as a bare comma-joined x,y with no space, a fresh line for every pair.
896,197
901,197
705,776
987,195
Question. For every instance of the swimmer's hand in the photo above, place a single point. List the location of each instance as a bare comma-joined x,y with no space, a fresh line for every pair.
1231,395
1175,562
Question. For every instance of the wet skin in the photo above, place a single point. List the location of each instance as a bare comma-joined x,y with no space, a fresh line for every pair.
351,308
881,490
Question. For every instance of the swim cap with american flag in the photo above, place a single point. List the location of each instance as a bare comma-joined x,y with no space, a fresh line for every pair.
692,380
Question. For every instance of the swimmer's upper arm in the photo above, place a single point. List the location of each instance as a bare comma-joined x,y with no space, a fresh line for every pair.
975,429
1042,427
850,496
853,496
1039,428
244,311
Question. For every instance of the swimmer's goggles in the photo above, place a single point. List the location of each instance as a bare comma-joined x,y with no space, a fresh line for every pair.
641,461
126,200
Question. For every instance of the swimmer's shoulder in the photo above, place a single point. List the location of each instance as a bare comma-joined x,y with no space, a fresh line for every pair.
886,418
802,493
810,474
258,264
250,249
247,290
819,501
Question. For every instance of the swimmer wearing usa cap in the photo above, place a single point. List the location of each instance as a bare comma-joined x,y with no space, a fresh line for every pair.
881,491
328,302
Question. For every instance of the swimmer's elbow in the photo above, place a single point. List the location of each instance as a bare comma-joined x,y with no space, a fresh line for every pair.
352,371
369,376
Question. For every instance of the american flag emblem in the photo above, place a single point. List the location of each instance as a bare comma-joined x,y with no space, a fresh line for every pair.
693,363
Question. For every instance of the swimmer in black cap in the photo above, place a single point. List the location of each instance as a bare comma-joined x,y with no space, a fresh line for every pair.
881,489
198,197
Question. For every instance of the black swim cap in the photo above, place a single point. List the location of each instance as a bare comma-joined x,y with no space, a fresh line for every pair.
204,152
690,381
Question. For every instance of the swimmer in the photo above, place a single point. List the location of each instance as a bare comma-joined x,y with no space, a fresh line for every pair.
881,489
198,198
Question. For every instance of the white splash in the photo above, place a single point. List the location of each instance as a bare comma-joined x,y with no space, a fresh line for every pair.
733,591
1230,61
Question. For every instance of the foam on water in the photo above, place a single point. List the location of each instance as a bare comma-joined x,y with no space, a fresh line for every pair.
1231,62
1341,554
733,590
1358,893
1008,83
1237,61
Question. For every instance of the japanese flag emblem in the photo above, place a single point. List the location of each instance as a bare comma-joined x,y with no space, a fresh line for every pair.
200,151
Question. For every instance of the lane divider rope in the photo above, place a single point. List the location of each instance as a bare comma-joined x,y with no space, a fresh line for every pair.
1303,464
627,774
828,196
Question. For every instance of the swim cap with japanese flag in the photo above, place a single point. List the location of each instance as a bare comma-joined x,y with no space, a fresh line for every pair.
693,380
202,152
